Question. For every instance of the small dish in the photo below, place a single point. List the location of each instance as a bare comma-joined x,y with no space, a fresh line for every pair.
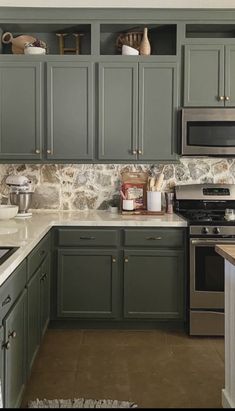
34,50
129,51
8,211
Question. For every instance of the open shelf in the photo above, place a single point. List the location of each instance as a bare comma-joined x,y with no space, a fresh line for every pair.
162,37
210,31
47,33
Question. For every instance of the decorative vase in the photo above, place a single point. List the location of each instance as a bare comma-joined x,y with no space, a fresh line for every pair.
145,48
18,42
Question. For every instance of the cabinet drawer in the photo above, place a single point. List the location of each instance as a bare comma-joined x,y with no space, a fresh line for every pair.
154,237
12,288
38,254
88,238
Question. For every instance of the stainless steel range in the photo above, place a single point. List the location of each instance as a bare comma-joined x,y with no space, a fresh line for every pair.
204,205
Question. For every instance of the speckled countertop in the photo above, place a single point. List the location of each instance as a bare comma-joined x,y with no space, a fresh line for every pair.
26,233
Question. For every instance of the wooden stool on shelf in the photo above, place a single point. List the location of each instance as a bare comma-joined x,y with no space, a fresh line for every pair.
63,49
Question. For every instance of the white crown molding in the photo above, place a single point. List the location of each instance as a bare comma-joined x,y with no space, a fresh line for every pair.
165,4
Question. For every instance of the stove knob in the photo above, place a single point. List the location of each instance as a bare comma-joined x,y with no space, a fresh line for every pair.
205,230
216,230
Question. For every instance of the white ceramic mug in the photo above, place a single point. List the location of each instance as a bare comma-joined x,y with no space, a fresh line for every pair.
128,205
154,200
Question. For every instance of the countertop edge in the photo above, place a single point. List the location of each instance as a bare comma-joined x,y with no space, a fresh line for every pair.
227,252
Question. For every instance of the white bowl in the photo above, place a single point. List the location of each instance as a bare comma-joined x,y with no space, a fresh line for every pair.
34,50
8,211
129,51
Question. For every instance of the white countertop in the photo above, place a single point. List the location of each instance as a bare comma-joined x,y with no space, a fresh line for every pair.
27,232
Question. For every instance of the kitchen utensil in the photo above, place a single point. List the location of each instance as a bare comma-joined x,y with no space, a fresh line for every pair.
20,193
154,201
159,182
169,202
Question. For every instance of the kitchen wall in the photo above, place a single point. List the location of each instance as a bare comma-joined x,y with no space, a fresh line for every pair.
93,186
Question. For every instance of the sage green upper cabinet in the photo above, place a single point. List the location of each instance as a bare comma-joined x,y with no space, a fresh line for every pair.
137,111
157,110
70,110
204,75
20,110
118,105
229,75
209,75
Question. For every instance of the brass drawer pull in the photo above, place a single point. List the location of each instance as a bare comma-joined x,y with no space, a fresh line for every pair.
153,238
87,238
114,260
6,301
126,260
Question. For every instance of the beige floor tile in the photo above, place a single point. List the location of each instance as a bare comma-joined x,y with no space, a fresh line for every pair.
124,338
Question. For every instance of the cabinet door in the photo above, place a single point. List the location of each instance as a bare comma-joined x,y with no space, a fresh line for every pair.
45,295
70,110
204,75
229,76
153,284
87,283
20,110
118,106
33,312
157,110
15,352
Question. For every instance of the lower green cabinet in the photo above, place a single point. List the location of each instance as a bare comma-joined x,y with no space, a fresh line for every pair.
44,295
87,283
15,352
33,314
154,284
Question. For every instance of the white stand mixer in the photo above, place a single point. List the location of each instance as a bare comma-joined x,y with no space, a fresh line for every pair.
20,194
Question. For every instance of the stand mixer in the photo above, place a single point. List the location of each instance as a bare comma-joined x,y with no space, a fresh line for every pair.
20,194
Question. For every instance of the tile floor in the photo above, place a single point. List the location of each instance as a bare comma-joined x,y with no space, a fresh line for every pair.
153,368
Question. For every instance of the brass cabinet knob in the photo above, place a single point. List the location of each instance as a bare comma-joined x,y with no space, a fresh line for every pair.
134,152
221,98
227,98
114,260
139,151
48,151
126,260
7,345
37,151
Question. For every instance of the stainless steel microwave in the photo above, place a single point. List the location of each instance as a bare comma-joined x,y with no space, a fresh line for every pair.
208,131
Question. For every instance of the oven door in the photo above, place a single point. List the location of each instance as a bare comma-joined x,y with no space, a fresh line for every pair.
206,273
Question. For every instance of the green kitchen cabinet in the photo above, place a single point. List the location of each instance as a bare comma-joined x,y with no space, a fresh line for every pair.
21,110
45,295
154,284
87,283
70,111
209,75
15,326
137,111
33,314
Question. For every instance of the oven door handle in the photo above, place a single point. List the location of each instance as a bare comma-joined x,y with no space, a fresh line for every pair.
214,240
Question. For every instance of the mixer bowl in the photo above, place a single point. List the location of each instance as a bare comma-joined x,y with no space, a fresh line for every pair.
21,199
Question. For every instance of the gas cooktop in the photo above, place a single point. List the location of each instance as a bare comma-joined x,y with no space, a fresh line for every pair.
202,217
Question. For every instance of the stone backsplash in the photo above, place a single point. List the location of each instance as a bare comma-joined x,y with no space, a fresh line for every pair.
93,186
